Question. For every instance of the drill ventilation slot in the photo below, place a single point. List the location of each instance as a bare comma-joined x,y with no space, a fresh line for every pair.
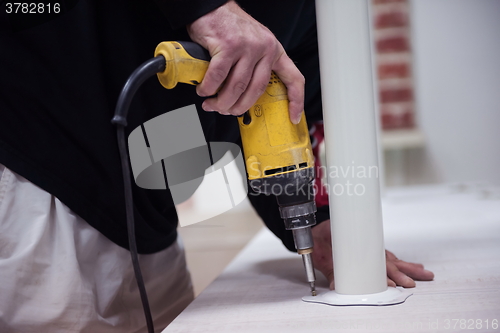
285,169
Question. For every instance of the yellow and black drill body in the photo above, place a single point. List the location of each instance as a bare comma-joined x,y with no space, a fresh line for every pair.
278,154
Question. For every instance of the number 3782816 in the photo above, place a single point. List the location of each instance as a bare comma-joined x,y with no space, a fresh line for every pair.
470,324
32,8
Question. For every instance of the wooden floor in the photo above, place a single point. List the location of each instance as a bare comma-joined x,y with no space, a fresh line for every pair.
453,230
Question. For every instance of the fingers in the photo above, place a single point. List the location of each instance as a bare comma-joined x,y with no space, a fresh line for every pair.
327,271
332,283
214,77
244,85
400,278
295,82
403,273
415,271
257,86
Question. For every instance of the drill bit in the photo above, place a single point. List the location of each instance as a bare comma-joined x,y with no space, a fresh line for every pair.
311,277
313,289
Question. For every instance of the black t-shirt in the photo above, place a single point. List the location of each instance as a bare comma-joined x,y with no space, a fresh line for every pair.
60,77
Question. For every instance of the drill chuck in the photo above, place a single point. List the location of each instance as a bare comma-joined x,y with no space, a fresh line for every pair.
303,239
298,216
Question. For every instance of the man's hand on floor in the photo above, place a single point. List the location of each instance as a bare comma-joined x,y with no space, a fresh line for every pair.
243,54
399,272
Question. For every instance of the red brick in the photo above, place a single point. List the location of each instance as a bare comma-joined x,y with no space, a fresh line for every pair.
391,20
396,95
388,121
397,121
393,44
395,70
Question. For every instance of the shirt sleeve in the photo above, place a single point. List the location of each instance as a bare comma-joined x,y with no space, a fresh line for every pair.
182,12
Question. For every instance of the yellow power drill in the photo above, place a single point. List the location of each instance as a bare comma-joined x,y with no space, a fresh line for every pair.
278,154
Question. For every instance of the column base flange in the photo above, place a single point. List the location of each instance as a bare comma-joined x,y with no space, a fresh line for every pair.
391,296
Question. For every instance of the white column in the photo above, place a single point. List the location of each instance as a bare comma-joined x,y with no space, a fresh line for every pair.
351,153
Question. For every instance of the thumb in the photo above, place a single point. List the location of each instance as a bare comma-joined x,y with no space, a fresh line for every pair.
331,280
328,273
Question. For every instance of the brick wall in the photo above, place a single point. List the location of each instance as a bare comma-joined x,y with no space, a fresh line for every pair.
394,63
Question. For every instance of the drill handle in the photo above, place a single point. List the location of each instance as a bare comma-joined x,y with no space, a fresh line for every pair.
185,62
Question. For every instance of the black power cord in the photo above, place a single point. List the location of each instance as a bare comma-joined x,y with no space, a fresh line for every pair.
136,79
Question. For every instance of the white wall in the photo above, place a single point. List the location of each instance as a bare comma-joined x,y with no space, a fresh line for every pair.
456,47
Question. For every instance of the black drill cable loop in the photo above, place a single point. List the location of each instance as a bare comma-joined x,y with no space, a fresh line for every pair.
136,79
